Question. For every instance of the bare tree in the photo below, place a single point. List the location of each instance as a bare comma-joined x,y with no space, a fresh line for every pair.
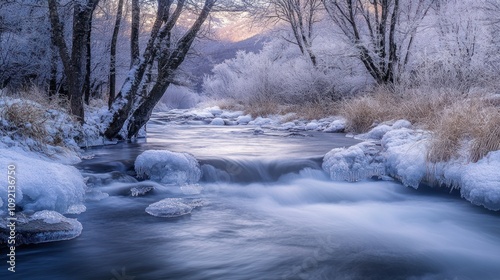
374,28
300,15
73,62
130,110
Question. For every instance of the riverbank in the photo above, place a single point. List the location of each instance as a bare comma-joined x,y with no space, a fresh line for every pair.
395,149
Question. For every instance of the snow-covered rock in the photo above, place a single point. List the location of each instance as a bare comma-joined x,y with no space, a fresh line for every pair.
287,126
42,185
41,227
168,167
173,207
355,163
217,121
379,131
261,121
336,126
244,119
231,115
312,126
215,110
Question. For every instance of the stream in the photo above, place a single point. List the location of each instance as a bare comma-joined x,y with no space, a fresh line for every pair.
269,212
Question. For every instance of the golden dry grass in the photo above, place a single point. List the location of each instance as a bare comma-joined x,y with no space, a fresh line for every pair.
454,119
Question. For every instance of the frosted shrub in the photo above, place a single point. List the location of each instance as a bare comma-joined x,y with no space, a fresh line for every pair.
280,75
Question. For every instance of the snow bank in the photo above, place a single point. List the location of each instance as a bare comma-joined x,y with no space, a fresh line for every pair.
355,163
405,152
173,207
168,167
402,155
43,185
480,181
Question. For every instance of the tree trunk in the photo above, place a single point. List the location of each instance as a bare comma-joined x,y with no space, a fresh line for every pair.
134,33
143,112
112,63
73,64
88,60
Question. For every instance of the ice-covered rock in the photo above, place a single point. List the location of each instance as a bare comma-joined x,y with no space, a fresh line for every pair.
336,126
405,152
217,121
141,190
215,110
261,121
244,119
312,126
355,163
43,226
42,185
287,126
480,182
231,115
173,207
168,167
376,133
401,124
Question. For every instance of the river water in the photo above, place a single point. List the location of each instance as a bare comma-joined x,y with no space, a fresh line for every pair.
269,213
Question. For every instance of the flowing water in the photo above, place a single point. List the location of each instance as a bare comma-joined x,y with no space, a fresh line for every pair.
269,213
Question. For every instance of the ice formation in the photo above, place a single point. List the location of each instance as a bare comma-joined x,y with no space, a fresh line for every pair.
43,185
43,226
336,126
405,152
173,207
402,155
217,121
355,163
168,167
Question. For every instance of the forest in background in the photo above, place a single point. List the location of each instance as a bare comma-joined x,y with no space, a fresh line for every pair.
434,63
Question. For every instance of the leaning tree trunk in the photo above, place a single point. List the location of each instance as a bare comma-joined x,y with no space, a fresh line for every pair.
167,67
122,105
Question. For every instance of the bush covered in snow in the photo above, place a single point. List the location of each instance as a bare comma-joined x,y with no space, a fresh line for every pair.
279,73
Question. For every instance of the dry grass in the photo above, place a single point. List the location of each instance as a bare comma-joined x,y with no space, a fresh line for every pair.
29,117
454,119
26,119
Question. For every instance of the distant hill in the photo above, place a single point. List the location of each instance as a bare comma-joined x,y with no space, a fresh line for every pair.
207,54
